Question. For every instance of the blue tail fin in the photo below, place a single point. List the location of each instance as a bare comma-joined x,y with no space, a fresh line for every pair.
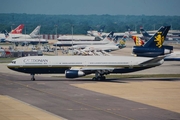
110,36
157,39
101,29
145,34
5,33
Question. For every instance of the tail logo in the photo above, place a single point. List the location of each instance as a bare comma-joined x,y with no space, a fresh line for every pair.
159,39
122,42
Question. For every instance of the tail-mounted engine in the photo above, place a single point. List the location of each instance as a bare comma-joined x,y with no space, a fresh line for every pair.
151,52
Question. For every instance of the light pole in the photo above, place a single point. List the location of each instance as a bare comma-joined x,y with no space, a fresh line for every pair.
56,39
72,27
154,26
12,27
39,39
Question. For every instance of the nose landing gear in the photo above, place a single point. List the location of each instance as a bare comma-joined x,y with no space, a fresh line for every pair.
32,77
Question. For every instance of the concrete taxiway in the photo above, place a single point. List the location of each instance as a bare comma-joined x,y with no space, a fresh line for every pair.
83,99
50,98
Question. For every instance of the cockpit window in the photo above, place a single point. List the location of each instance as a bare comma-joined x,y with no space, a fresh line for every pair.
14,62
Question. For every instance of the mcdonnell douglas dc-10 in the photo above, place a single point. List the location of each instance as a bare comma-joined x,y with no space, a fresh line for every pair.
78,66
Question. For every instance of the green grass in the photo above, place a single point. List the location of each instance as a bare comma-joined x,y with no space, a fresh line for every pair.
6,44
6,60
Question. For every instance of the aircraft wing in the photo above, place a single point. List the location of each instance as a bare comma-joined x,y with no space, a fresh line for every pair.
92,68
152,62
89,70
155,60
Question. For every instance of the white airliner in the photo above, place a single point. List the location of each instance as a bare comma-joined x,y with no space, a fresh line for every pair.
17,30
33,34
27,41
77,66
103,34
24,39
78,38
71,43
113,44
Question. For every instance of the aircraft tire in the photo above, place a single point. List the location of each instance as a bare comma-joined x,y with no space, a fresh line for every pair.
99,78
103,78
94,78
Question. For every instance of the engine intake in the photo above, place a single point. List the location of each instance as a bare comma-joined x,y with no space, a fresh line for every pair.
74,73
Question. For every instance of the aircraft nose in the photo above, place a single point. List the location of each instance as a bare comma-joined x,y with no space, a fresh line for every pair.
9,65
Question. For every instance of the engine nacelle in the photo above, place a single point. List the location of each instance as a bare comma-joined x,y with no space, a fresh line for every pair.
151,52
22,44
74,73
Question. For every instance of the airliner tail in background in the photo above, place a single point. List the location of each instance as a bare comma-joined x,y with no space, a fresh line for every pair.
18,30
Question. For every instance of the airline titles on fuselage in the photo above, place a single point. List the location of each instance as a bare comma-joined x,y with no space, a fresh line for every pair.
45,61
35,61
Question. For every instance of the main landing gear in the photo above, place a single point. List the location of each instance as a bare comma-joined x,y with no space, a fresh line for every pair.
99,76
32,77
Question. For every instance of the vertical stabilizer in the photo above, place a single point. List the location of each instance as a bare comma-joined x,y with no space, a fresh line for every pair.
35,32
158,38
138,41
144,33
18,30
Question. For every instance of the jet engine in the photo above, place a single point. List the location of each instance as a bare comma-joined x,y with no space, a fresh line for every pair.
74,73
22,44
151,52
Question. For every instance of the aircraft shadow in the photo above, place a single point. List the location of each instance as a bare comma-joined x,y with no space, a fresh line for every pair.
114,80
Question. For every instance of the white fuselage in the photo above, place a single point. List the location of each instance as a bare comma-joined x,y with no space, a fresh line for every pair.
78,66
81,61
26,40
16,36
76,38
102,47
71,43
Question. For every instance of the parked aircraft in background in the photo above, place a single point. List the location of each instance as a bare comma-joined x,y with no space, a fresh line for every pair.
71,43
18,30
33,34
78,66
169,36
114,44
138,41
79,38
119,35
154,46
23,39
23,42
175,56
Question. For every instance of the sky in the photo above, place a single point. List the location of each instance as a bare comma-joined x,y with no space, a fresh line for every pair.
88,7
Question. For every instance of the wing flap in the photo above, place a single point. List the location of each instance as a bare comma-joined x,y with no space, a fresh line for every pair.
92,68
154,61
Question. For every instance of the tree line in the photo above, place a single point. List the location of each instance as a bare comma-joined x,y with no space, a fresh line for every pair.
63,24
